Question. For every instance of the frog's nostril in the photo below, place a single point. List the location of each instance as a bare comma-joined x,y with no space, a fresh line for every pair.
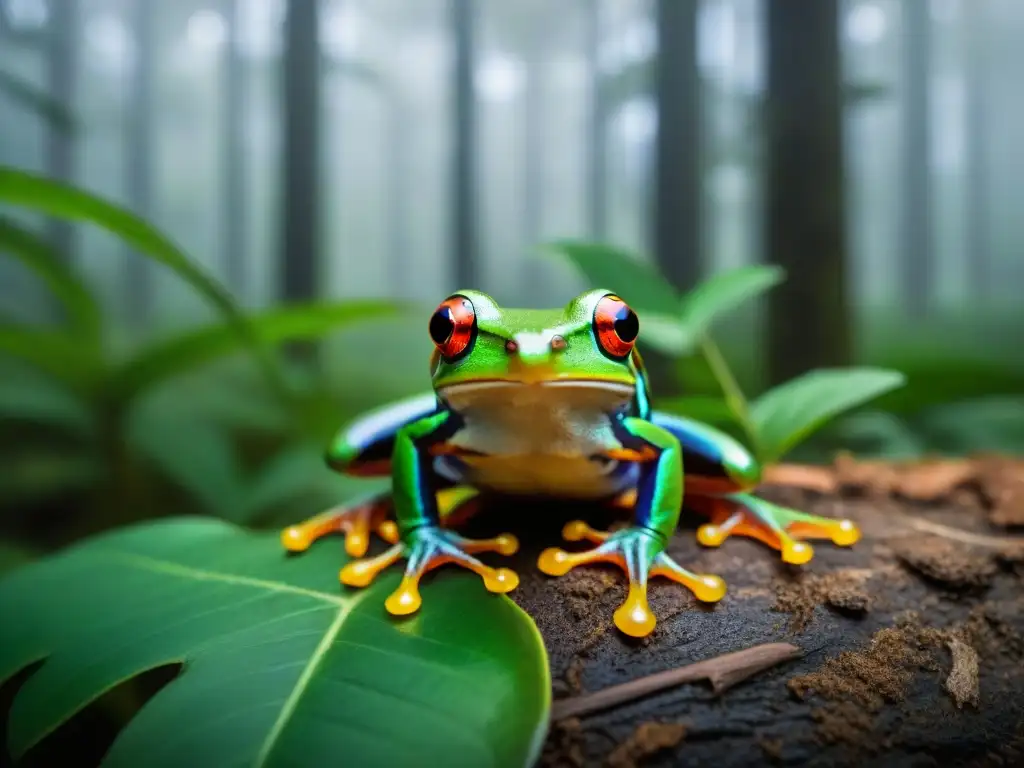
558,342
511,346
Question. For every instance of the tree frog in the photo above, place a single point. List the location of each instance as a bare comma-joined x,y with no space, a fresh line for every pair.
552,403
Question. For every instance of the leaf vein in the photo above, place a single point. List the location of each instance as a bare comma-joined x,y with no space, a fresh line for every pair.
198,574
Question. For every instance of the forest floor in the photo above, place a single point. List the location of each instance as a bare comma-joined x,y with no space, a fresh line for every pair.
911,642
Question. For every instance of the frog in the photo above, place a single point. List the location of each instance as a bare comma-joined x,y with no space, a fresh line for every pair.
531,403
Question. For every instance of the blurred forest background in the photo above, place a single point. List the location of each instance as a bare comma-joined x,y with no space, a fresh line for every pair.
390,151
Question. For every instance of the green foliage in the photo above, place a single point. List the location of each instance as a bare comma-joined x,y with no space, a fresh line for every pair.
296,474
42,401
56,199
782,418
109,400
787,414
55,353
192,452
724,293
277,325
29,475
277,662
84,313
26,95
606,266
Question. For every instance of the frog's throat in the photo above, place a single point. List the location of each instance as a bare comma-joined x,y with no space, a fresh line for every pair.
615,387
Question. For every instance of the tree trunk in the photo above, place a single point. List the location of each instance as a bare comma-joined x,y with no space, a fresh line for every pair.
978,255
805,207
533,161
399,178
677,209
463,150
912,644
916,257
139,170
234,169
300,247
62,75
597,168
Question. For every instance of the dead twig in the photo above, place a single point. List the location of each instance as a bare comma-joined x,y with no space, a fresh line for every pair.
1005,543
722,672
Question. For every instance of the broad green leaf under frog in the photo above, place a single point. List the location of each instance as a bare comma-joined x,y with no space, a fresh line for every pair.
280,664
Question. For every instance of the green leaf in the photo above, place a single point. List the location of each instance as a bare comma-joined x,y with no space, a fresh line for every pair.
26,95
281,665
171,357
605,266
55,354
789,413
191,452
56,199
83,311
666,334
725,292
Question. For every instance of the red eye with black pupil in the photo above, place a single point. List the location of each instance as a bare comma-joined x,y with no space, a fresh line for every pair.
616,326
452,325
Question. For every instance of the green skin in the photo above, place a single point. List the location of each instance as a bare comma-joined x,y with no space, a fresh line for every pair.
536,406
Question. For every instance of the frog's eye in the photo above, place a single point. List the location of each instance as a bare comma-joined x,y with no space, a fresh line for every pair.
616,326
452,326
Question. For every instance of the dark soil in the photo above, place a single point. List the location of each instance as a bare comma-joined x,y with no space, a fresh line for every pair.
913,639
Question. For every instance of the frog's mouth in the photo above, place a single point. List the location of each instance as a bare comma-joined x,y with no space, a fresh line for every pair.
609,386
503,394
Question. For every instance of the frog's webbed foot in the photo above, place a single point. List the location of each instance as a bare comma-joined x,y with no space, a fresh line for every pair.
639,552
427,548
356,522
781,528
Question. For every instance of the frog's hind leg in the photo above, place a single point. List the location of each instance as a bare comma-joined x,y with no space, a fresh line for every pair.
719,475
374,515
781,528
355,521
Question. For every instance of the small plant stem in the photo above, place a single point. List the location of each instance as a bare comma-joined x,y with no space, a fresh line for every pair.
734,397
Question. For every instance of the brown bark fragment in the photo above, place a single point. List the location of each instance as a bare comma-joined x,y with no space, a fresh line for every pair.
647,740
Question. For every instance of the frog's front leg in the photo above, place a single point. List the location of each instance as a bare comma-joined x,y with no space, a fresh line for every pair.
422,541
639,549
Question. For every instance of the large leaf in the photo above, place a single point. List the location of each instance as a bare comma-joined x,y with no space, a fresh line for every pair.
56,354
57,199
724,292
282,666
605,266
193,348
30,97
790,412
83,311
